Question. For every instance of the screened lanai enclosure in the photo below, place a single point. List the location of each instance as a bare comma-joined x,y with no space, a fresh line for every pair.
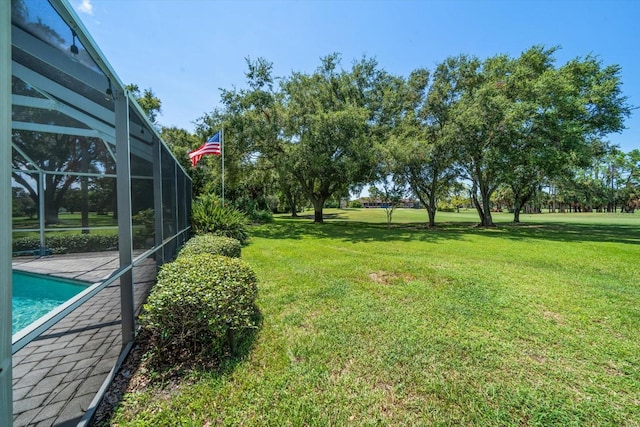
84,169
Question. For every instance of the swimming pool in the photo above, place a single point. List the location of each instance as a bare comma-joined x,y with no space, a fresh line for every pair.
35,295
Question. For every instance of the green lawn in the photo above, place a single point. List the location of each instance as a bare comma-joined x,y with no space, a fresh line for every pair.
67,220
535,324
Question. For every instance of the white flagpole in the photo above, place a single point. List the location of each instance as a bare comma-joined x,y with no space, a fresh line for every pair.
222,154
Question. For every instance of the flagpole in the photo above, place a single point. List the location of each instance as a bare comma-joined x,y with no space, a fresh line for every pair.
222,152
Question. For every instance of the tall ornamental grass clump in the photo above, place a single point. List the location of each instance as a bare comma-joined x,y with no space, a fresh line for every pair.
209,215
212,244
198,305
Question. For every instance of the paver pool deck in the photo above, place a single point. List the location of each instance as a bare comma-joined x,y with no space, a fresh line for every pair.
57,376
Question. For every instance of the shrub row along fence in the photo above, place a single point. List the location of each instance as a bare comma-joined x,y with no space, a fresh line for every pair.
203,304
71,243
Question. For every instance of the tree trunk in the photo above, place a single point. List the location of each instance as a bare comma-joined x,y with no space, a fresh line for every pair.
432,216
318,204
516,214
518,203
486,204
114,205
50,214
50,208
432,207
476,204
84,204
484,208
291,199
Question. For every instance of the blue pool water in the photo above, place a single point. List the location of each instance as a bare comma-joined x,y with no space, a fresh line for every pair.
35,295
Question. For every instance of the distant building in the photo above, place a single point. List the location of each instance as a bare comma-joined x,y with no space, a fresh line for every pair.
367,202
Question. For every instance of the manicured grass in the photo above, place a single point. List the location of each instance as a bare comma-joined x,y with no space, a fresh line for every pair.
535,324
67,220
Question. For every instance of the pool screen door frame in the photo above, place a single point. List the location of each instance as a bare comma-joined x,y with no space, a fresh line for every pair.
6,392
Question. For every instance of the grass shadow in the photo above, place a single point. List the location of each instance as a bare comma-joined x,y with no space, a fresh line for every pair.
357,232
574,232
340,228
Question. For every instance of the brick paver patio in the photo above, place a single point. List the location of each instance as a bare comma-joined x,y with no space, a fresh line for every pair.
56,377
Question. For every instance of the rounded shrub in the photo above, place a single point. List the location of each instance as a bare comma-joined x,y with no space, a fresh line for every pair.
256,210
263,216
212,244
198,303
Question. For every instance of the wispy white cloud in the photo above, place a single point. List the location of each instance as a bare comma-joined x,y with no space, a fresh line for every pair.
85,6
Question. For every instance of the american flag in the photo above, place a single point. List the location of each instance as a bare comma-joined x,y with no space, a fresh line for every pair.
212,146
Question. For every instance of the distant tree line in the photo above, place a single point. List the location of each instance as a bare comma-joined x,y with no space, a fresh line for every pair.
517,133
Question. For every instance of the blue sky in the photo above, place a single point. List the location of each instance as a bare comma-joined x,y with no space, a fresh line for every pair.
186,50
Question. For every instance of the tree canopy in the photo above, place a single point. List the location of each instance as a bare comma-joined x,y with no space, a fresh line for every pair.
522,121
502,127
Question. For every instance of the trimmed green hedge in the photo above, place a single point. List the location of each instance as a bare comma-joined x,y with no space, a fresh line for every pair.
211,244
69,243
196,305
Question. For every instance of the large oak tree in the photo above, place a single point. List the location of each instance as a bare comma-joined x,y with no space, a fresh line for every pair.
520,121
